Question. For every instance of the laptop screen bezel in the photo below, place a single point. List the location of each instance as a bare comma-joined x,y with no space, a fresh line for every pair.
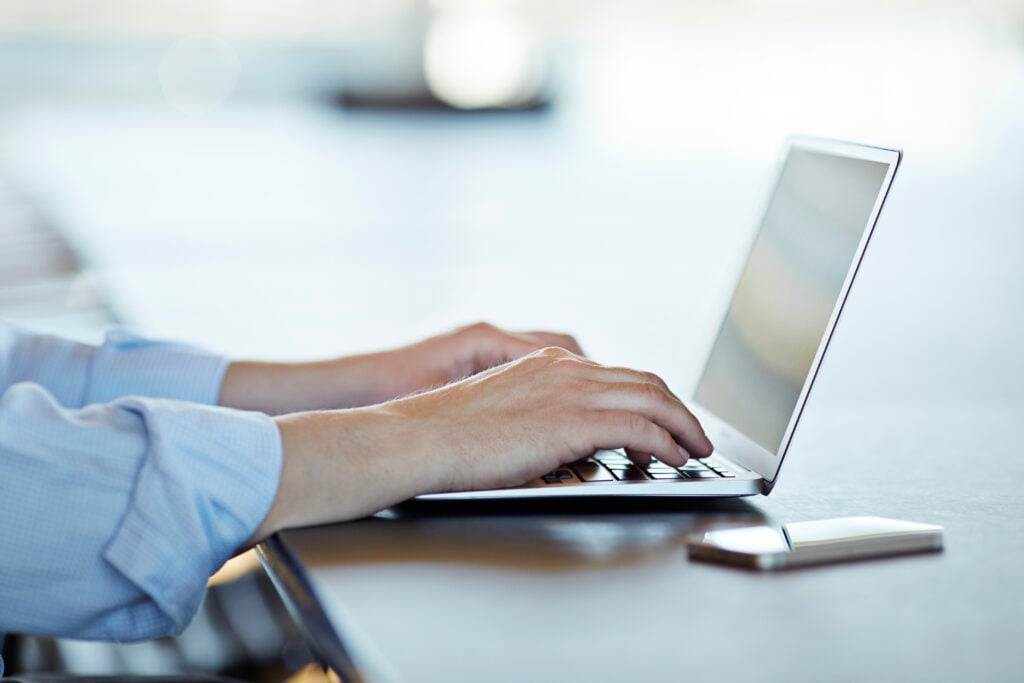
728,440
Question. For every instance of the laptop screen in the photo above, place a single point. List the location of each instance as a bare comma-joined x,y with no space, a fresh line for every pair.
787,291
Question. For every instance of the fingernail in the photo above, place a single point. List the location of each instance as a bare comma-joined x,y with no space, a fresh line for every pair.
683,452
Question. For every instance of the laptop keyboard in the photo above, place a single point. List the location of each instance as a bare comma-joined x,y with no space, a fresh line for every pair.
609,466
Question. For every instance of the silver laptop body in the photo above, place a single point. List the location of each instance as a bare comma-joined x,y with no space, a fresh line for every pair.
774,334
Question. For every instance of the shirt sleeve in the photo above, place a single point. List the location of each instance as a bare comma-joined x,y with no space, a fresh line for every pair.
78,374
113,515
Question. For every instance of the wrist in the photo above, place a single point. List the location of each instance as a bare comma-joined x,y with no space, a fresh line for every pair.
342,465
346,382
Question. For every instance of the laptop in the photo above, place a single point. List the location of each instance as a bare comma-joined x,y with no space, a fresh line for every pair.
774,334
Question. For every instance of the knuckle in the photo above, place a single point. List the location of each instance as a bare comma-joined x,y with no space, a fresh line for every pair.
651,377
549,359
554,353
562,365
648,392
633,423
482,327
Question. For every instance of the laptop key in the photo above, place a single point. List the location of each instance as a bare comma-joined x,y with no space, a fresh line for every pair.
551,479
701,474
631,474
591,471
666,475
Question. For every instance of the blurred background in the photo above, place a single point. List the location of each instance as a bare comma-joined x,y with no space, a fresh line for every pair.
308,178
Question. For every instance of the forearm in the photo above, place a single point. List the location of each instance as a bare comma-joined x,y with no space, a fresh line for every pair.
282,388
342,465
366,379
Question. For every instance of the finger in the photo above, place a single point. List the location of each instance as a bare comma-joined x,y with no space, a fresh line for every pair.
613,374
654,404
632,431
644,460
491,346
513,345
641,459
519,345
617,374
566,341
685,426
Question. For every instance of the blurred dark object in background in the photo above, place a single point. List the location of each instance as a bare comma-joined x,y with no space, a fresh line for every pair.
480,57
242,631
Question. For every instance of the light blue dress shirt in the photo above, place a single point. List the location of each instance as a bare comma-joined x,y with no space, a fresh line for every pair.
122,487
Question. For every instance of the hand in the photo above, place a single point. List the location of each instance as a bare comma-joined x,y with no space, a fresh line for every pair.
449,357
366,379
501,427
517,422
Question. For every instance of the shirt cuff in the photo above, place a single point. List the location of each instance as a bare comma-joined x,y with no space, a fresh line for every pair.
128,365
208,481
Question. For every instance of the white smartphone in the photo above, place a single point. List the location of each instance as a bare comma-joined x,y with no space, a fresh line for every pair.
805,543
